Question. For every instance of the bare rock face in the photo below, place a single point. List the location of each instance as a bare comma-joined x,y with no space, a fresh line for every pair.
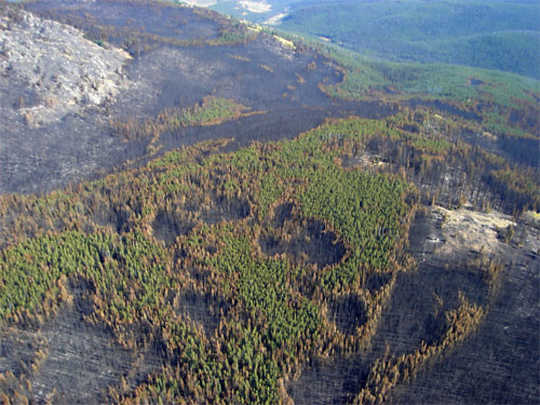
468,231
62,71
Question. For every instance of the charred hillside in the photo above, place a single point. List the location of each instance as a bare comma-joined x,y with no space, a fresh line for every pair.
67,90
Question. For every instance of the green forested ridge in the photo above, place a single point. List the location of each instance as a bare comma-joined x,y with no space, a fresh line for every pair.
365,77
495,35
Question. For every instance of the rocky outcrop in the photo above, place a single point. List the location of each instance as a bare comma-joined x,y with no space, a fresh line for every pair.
62,71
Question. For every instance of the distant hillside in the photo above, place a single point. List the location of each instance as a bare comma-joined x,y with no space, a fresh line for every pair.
495,35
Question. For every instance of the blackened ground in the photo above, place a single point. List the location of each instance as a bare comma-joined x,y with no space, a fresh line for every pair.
329,381
282,213
17,349
499,364
226,209
419,301
81,362
375,281
70,361
149,17
312,244
348,312
204,309
412,316
167,226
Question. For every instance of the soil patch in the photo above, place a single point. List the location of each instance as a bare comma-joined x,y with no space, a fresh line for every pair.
469,232
62,71
365,160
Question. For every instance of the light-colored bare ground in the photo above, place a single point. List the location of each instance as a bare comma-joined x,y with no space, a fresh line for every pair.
465,230
64,71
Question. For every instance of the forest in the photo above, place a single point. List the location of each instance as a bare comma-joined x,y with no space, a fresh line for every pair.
486,34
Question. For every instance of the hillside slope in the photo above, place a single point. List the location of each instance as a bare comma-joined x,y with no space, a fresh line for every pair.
489,34
246,218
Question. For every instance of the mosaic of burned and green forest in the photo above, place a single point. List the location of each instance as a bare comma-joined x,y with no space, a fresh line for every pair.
262,219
